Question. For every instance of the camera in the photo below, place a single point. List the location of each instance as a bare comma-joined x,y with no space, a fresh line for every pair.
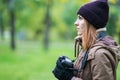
66,62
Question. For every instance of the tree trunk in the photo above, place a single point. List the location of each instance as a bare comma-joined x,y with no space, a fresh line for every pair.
12,30
47,30
1,26
12,20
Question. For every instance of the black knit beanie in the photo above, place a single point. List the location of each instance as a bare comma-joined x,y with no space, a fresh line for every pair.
96,13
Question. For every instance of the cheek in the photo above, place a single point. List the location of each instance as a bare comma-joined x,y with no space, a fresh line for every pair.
81,25
80,31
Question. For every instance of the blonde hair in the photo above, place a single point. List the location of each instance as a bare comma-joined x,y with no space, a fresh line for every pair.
88,36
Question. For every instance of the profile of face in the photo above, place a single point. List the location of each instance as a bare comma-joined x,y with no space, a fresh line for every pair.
79,23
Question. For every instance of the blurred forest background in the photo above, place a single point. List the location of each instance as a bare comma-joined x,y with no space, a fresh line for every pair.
34,33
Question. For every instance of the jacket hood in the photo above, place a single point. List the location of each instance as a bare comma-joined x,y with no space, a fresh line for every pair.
110,44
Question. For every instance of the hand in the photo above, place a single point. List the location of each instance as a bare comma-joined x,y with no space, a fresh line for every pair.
63,74
61,70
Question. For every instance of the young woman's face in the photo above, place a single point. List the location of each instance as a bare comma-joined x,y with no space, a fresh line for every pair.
79,23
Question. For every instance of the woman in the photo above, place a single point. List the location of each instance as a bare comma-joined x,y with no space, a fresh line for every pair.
99,55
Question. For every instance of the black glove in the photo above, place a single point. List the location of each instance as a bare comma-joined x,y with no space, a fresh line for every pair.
63,74
62,71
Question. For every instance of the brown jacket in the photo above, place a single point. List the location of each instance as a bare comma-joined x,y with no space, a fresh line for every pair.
102,61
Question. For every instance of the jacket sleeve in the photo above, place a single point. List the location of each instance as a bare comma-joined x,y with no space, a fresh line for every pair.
101,66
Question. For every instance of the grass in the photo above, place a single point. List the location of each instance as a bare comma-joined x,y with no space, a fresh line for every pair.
31,62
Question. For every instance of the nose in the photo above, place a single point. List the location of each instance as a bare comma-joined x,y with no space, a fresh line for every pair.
76,23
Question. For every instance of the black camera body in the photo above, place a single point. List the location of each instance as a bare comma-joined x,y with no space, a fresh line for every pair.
66,62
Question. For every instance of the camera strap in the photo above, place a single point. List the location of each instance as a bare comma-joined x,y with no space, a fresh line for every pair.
100,36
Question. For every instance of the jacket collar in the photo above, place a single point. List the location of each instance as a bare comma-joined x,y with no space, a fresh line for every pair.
101,29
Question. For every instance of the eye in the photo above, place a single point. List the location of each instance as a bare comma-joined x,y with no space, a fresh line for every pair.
80,17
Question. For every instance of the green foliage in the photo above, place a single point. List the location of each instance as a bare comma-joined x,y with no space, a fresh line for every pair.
114,20
31,16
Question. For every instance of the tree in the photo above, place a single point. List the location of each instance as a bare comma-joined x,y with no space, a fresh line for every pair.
12,25
1,19
47,22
